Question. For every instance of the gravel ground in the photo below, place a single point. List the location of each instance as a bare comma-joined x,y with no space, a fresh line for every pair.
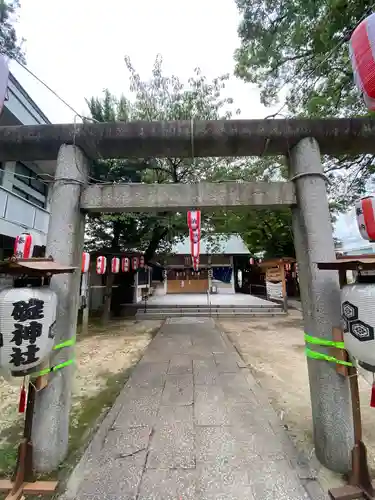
100,354
266,344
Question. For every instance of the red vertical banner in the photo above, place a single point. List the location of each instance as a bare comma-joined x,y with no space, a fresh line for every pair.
194,224
194,219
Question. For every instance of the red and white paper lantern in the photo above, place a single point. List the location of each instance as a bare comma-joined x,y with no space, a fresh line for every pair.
251,261
361,49
125,264
24,246
141,262
101,264
115,265
365,212
85,265
194,219
135,263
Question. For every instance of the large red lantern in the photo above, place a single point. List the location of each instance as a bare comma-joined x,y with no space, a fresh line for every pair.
194,219
85,265
24,246
135,263
115,265
101,264
365,212
363,61
125,264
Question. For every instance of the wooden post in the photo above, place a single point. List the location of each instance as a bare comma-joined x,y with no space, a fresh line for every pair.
283,281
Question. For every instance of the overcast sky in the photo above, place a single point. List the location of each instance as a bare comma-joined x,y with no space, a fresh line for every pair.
77,47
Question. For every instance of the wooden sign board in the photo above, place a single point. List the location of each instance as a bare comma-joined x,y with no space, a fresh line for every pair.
275,282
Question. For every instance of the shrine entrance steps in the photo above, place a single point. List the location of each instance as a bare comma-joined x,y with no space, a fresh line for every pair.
204,311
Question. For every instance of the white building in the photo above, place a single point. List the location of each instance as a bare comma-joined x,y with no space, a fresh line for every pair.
23,195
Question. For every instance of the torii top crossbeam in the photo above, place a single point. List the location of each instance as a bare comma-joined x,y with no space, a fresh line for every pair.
187,138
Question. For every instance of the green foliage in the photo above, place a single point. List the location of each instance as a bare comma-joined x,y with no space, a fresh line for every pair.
159,98
263,231
298,47
9,43
167,98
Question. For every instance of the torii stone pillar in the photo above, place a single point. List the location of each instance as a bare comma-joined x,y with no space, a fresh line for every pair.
320,294
65,244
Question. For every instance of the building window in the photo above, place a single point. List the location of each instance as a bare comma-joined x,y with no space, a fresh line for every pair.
30,178
28,197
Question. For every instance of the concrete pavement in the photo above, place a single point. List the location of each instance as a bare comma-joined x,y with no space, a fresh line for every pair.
191,423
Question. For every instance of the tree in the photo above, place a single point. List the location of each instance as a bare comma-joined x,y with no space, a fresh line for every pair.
301,48
9,43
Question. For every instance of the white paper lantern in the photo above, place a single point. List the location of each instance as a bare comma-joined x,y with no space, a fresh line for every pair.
24,246
115,265
85,266
27,326
141,261
358,316
101,264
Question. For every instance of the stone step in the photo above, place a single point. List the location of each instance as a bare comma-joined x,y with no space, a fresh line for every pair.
158,314
222,310
172,307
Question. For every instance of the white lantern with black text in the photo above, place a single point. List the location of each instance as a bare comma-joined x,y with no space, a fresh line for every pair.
135,263
358,317
27,326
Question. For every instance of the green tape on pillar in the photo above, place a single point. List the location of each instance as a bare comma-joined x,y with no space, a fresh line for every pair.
54,368
325,342
67,343
324,357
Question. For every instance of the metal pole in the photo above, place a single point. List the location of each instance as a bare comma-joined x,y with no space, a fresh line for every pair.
65,244
320,294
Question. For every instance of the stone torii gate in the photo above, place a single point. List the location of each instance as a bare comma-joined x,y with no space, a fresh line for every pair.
302,141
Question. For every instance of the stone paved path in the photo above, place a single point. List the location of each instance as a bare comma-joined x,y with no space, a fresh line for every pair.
188,425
